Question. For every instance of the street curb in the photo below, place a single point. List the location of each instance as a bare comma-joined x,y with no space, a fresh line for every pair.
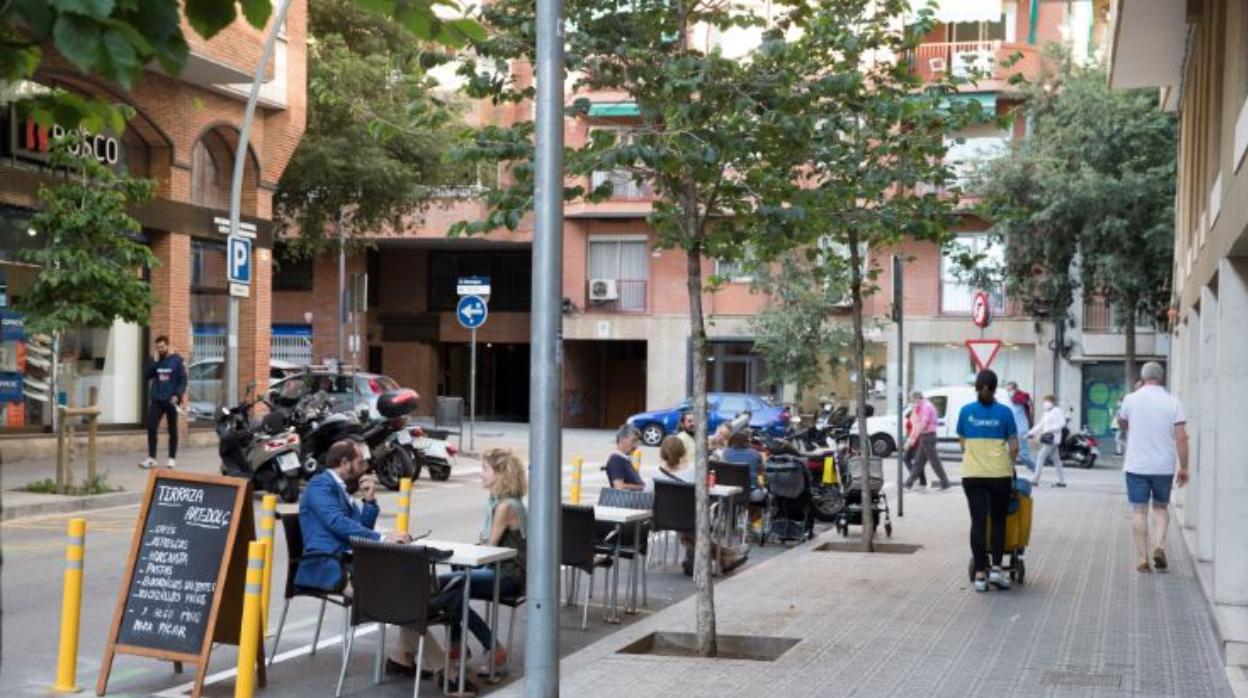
70,504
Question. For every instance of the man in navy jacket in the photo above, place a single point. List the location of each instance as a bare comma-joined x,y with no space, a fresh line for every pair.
166,384
329,518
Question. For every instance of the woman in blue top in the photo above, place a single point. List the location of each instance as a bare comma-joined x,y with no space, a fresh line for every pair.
989,439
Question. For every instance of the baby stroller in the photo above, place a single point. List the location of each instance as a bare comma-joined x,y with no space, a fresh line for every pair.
852,488
789,513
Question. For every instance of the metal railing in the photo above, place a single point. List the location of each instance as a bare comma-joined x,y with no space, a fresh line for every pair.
295,349
1100,315
207,346
961,58
623,186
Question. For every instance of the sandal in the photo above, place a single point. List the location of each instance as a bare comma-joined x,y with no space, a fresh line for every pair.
1143,567
1159,559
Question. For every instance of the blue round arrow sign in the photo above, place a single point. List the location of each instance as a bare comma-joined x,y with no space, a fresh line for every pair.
471,312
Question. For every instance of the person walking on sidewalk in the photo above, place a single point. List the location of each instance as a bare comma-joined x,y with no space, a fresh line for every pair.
1020,405
1158,440
166,384
924,421
1049,430
989,445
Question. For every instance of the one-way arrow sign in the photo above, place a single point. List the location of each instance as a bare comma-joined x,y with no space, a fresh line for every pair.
471,312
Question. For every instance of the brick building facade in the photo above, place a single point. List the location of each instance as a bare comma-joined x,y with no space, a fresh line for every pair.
183,136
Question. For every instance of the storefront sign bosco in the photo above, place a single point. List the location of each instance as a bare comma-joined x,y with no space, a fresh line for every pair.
33,142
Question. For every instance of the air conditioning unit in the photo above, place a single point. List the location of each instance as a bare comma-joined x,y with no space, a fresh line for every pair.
603,290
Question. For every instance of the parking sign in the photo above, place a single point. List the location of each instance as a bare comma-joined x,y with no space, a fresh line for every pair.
238,263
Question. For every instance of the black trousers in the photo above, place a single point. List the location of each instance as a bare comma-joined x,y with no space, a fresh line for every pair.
988,499
154,412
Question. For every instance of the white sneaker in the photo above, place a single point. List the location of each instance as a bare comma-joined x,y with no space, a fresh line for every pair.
998,579
981,584
147,463
171,463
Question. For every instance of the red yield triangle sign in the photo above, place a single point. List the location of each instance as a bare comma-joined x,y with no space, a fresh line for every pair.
983,351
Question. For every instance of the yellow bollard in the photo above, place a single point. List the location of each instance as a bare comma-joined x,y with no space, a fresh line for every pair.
829,471
249,636
405,505
577,463
268,523
637,459
71,609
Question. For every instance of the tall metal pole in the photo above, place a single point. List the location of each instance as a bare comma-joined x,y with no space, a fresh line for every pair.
342,292
472,392
541,656
236,191
900,316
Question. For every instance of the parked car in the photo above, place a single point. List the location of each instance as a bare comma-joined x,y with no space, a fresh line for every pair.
205,385
721,407
948,401
350,389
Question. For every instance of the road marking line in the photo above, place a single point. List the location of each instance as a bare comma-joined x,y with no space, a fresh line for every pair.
184,689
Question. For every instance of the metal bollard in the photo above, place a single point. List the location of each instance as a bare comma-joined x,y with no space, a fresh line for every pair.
71,609
829,474
575,494
249,636
401,521
268,525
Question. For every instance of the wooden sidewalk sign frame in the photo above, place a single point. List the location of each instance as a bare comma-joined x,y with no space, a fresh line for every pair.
227,601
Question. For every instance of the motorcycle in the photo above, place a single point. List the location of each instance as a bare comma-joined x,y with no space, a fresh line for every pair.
809,444
431,450
389,436
319,426
1080,448
267,454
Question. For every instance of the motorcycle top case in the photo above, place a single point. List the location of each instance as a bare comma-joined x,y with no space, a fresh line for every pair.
396,403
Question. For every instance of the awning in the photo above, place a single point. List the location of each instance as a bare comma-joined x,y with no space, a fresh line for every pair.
987,100
614,109
953,11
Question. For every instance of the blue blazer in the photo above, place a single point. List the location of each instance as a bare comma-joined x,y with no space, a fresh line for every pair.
329,519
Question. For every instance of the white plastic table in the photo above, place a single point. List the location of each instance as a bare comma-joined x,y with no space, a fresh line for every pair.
621,517
468,555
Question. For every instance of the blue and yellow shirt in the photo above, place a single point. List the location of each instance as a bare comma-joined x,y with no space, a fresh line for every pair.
987,430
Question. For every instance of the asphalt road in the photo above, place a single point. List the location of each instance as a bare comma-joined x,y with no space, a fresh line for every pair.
31,578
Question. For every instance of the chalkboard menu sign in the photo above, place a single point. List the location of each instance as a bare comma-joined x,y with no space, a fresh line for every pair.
183,587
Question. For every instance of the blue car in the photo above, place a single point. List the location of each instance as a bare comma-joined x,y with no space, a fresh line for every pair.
721,407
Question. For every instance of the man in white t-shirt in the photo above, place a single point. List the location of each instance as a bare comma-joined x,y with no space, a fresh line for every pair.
1158,442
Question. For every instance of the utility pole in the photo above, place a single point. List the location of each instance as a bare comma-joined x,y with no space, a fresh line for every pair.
541,656
236,191
899,318
342,289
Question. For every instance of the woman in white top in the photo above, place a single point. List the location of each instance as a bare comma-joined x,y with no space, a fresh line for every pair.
1049,429
675,466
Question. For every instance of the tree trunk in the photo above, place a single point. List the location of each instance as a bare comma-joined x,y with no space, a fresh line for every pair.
860,397
706,643
1129,371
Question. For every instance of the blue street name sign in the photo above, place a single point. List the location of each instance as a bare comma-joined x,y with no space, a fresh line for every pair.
471,312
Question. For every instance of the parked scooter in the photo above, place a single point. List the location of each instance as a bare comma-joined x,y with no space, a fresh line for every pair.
1081,449
812,446
430,450
389,436
319,427
267,454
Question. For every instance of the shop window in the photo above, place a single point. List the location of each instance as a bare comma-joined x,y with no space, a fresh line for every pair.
209,300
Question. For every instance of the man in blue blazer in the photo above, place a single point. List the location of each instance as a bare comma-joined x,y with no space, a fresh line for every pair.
329,518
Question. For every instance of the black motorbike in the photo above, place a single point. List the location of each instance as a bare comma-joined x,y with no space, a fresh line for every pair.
1080,448
267,454
389,436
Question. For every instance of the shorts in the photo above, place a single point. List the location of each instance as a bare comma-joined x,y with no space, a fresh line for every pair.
1139,487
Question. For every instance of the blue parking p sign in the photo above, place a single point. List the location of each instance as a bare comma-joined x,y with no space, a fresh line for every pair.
238,258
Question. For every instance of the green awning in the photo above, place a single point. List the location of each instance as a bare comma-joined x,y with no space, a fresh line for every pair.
987,100
614,109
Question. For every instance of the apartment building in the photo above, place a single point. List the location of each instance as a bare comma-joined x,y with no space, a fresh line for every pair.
625,325
1196,53
183,136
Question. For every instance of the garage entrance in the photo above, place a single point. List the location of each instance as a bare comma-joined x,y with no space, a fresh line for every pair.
603,382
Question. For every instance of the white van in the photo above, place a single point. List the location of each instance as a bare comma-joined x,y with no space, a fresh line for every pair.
948,401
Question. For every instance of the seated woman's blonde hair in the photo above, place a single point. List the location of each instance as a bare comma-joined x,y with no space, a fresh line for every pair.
512,480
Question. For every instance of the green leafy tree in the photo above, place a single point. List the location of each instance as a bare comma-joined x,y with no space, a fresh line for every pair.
876,138
90,267
711,139
1088,199
377,136
118,39
797,332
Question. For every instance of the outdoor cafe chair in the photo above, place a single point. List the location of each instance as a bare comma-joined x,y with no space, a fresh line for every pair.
392,584
578,552
294,551
629,548
735,475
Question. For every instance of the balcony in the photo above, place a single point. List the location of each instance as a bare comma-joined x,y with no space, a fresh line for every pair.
631,297
1100,316
982,61
623,186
